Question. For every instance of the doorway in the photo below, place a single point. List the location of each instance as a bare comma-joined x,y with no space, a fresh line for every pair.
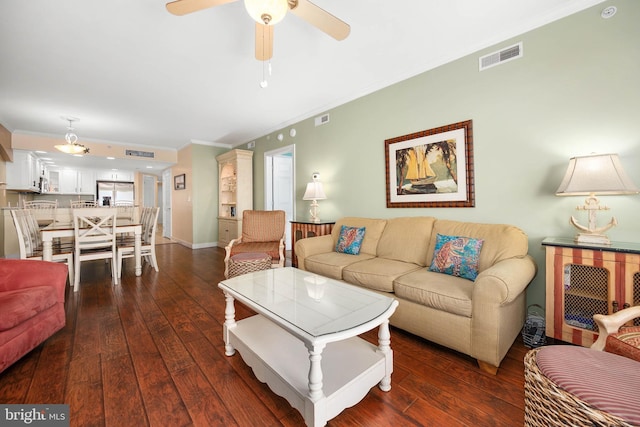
279,182
166,203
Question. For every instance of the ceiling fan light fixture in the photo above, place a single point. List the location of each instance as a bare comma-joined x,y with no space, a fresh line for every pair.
267,12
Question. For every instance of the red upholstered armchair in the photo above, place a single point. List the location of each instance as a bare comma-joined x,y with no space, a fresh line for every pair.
262,231
615,336
31,305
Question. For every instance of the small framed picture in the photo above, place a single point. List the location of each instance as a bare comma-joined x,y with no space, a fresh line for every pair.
179,182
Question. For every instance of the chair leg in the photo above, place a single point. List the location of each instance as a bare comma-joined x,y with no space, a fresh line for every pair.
154,261
76,276
114,269
119,265
70,267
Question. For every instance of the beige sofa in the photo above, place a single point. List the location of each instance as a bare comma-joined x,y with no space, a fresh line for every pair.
480,318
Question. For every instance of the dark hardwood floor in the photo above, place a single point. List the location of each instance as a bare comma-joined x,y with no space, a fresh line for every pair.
150,352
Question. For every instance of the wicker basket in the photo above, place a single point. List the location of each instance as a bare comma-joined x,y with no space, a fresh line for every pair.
248,262
546,404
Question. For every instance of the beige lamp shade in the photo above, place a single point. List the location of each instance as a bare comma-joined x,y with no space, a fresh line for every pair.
314,191
598,174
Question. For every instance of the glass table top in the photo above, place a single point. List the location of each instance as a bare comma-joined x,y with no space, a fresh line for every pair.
313,303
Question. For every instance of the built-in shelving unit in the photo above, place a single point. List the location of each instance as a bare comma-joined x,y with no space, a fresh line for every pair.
235,192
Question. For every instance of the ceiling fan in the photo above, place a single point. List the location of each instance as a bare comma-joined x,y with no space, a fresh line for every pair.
266,13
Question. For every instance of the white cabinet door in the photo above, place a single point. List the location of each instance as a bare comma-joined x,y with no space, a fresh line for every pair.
86,181
21,173
68,181
114,175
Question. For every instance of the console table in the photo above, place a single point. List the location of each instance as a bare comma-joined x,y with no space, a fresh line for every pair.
303,229
586,279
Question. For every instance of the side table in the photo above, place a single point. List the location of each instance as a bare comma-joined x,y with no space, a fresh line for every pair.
303,229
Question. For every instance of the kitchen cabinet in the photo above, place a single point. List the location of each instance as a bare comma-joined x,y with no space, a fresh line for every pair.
72,181
23,174
583,280
114,175
235,192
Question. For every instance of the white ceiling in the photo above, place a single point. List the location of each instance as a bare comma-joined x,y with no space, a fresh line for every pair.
135,74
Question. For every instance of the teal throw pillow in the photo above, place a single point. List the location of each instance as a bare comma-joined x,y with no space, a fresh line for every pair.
350,240
457,256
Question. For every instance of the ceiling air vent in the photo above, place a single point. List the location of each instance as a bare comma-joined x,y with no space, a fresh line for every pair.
136,153
505,55
322,120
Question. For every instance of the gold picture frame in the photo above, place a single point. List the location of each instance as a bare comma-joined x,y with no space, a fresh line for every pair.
432,168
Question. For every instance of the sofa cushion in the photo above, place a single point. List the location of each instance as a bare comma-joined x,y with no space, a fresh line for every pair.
377,273
457,256
374,228
23,304
406,239
625,343
500,241
331,264
439,291
350,240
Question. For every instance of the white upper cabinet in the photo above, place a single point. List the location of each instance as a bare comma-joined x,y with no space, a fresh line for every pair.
24,172
114,175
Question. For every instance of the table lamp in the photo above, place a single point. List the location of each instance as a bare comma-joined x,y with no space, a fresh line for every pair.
314,192
595,174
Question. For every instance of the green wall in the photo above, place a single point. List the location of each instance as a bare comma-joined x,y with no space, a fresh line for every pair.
575,91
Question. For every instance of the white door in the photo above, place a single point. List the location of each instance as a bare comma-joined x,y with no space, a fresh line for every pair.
279,184
166,199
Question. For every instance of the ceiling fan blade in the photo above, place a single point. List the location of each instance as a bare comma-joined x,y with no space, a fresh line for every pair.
264,42
321,19
182,7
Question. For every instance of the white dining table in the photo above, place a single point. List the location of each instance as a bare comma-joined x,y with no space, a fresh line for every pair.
66,230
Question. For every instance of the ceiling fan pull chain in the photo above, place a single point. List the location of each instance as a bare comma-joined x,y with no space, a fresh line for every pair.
264,83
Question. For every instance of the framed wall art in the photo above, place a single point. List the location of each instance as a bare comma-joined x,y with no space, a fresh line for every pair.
179,182
432,168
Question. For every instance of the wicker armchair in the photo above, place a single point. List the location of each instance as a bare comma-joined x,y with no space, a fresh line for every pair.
262,232
615,337
571,385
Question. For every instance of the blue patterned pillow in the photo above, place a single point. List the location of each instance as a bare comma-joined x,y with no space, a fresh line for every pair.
457,256
350,240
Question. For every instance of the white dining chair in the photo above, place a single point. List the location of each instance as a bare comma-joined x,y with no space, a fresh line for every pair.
76,204
149,220
44,211
95,238
30,242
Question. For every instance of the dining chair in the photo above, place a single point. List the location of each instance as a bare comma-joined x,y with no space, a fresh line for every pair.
149,220
75,204
125,210
43,210
95,238
30,242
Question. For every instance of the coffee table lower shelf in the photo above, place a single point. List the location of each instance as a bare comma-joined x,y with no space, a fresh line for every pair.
350,367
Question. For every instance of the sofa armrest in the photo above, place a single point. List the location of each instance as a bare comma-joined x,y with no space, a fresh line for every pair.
21,274
504,281
312,246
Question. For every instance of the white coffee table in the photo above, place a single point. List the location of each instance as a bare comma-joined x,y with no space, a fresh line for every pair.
304,343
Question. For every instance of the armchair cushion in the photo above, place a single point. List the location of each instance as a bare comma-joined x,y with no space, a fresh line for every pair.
625,343
270,248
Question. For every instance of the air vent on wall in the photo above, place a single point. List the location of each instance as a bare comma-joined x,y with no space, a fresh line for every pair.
136,153
322,120
505,55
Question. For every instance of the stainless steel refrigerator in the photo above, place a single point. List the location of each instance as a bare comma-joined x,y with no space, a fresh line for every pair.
110,192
